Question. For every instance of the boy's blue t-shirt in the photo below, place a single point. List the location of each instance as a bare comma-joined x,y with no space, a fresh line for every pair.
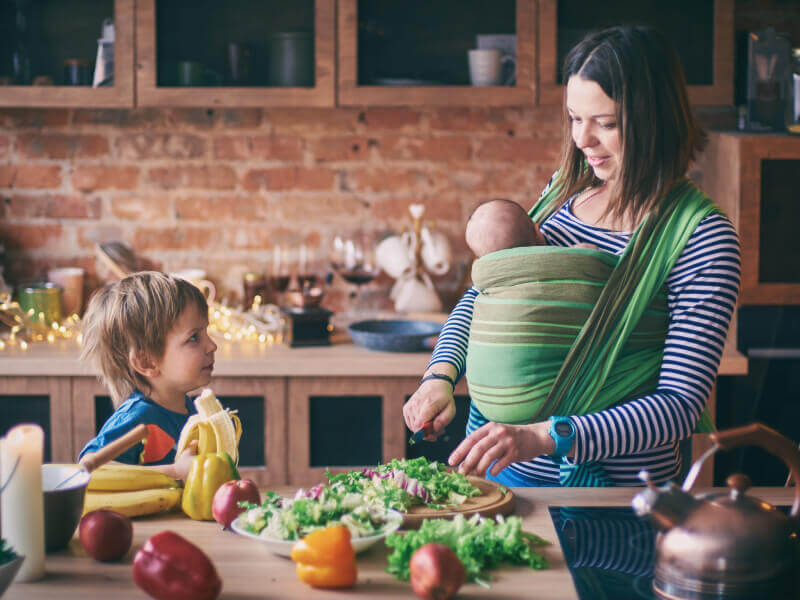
163,431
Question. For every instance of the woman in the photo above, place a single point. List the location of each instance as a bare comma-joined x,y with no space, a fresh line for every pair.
630,137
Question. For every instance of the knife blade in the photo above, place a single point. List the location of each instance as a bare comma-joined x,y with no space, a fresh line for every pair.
420,435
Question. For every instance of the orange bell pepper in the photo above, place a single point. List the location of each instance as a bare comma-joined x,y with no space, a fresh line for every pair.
325,558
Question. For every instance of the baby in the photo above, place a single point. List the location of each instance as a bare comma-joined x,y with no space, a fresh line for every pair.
500,224
147,337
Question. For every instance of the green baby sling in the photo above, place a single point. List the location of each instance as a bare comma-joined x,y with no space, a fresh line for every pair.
572,331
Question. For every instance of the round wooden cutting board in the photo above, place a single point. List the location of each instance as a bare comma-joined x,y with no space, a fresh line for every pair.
492,501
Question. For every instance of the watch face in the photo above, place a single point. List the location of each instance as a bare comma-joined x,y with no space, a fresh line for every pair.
563,429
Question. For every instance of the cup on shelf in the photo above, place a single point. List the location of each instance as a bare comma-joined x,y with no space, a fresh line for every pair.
197,277
486,66
76,72
238,63
190,73
71,281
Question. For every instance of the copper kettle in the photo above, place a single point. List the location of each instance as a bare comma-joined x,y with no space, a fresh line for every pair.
729,544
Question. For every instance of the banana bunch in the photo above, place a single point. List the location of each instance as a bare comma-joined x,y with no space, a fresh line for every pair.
215,428
131,490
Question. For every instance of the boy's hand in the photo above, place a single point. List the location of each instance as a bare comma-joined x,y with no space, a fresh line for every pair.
183,462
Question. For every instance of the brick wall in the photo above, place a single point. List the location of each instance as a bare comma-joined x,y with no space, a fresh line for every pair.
220,188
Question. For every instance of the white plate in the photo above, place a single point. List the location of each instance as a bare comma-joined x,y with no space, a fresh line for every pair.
284,547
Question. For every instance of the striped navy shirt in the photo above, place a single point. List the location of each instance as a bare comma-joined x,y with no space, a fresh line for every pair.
642,433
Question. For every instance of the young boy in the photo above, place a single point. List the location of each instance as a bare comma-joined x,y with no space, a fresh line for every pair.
147,337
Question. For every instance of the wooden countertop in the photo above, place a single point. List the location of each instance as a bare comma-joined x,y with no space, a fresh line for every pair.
249,571
343,358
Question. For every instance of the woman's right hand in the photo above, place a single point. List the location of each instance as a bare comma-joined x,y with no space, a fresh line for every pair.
433,401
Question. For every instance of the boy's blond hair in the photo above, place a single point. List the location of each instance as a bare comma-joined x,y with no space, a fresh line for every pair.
132,317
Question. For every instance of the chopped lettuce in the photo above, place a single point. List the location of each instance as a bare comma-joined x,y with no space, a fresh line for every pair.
480,543
358,499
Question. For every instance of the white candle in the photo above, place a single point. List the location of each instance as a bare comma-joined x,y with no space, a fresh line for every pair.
22,501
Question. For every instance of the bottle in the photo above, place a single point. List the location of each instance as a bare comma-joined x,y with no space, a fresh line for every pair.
793,125
21,61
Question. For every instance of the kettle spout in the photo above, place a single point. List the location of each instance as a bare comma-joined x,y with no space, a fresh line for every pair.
666,506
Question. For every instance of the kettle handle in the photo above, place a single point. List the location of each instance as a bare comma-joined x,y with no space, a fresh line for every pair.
758,434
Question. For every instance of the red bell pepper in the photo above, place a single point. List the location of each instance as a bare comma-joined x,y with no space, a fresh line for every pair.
169,567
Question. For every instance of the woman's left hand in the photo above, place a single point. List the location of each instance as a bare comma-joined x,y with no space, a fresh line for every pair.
502,443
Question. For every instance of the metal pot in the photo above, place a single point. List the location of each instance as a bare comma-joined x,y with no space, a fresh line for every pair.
729,544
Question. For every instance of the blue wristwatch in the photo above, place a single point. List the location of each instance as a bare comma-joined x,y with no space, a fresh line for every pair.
563,433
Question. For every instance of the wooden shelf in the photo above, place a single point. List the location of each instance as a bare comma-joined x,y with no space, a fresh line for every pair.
120,95
350,93
148,93
719,93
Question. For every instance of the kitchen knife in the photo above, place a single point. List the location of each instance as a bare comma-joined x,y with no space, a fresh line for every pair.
426,430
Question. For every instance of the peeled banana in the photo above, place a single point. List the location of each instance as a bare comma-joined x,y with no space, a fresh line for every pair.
134,503
127,478
215,428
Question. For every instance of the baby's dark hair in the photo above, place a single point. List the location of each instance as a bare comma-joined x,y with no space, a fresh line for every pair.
133,316
498,224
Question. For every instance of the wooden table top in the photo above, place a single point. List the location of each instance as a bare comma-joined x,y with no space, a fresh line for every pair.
343,358
249,571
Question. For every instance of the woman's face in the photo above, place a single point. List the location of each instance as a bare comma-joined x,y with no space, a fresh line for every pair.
595,130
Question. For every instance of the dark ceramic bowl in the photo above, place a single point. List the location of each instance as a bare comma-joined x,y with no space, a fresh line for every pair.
8,571
63,506
394,336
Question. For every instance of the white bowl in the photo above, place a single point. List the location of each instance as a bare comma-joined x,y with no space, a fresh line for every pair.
284,547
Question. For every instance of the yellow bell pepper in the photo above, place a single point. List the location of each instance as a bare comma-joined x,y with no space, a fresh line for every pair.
208,473
325,558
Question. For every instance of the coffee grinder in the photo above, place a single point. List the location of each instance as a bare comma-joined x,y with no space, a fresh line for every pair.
307,323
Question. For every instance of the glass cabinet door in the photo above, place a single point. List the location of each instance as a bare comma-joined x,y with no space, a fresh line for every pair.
66,54
449,52
235,53
701,32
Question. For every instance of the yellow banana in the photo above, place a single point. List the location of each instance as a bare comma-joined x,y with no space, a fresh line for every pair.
215,428
135,503
207,438
118,478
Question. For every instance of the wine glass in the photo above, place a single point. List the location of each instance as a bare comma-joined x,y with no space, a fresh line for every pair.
280,271
353,259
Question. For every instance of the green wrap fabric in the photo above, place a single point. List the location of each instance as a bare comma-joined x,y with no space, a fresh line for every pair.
571,331
533,303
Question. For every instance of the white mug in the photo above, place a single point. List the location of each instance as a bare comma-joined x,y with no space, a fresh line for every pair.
486,66
197,278
435,251
394,255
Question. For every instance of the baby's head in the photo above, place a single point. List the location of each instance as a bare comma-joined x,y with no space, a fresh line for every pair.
500,224
132,317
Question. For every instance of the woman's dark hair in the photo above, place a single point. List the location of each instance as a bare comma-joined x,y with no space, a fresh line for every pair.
638,69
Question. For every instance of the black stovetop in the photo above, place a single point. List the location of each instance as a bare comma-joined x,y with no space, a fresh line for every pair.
609,551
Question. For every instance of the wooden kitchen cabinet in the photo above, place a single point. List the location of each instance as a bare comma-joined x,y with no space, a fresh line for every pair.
753,177
398,53
170,31
701,32
69,30
343,423
46,401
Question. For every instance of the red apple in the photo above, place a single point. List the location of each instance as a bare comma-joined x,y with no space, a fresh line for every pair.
225,507
436,572
105,535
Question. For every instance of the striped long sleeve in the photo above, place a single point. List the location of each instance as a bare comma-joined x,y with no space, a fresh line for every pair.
641,433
